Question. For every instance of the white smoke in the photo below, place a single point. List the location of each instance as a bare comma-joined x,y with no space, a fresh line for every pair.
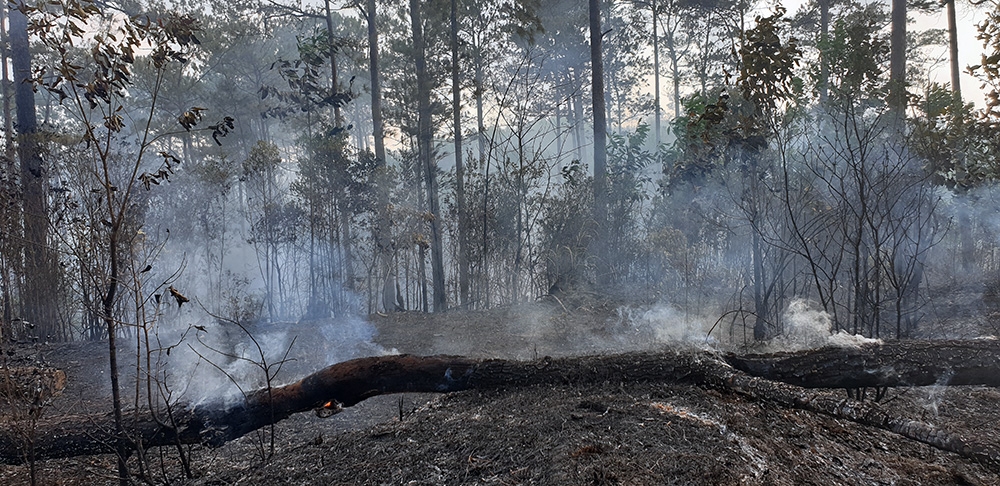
211,358
809,327
662,323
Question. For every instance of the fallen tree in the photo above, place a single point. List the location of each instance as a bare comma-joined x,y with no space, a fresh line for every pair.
778,378
898,363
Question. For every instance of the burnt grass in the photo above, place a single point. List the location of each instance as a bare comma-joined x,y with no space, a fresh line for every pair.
612,433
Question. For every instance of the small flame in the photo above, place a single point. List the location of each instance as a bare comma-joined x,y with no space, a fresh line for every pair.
329,408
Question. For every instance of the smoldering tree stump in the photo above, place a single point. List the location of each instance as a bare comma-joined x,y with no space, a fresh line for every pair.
778,378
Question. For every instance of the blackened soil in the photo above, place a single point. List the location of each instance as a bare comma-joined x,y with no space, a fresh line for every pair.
613,433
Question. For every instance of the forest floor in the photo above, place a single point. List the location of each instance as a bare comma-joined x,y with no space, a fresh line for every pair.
613,433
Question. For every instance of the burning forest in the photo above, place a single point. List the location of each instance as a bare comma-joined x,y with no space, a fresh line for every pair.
509,242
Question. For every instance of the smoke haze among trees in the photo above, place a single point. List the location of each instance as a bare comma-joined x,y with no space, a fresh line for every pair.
225,186
269,164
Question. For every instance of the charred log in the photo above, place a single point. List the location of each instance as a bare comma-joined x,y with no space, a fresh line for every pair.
348,383
866,413
343,384
899,363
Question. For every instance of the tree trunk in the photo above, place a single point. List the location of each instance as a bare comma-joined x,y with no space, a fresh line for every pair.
900,363
338,120
600,145
480,89
675,77
107,308
39,271
896,363
8,123
956,71
760,331
347,244
577,99
383,235
656,75
897,63
424,146
865,413
11,214
824,36
376,87
334,83
456,101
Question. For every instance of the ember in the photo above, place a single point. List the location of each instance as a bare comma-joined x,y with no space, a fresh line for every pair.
329,408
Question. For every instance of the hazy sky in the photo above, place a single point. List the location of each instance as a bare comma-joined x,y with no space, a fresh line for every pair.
970,49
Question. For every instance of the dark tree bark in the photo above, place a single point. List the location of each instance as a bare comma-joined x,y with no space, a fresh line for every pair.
39,269
900,363
107,314
425,148
456,101
865,413
600,144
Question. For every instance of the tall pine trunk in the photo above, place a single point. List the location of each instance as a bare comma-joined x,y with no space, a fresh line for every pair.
39,272
656,74
8,119
425,148
383,235
338,120
338,117
956,71
11,225
456,100
600,145
897,64
824,63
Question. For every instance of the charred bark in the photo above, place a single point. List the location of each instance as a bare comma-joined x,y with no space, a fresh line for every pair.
900,363
865,413
348,383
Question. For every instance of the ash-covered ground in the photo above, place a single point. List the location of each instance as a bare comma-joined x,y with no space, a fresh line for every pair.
612,433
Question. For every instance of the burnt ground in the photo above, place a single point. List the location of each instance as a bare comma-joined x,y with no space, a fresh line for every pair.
613,433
